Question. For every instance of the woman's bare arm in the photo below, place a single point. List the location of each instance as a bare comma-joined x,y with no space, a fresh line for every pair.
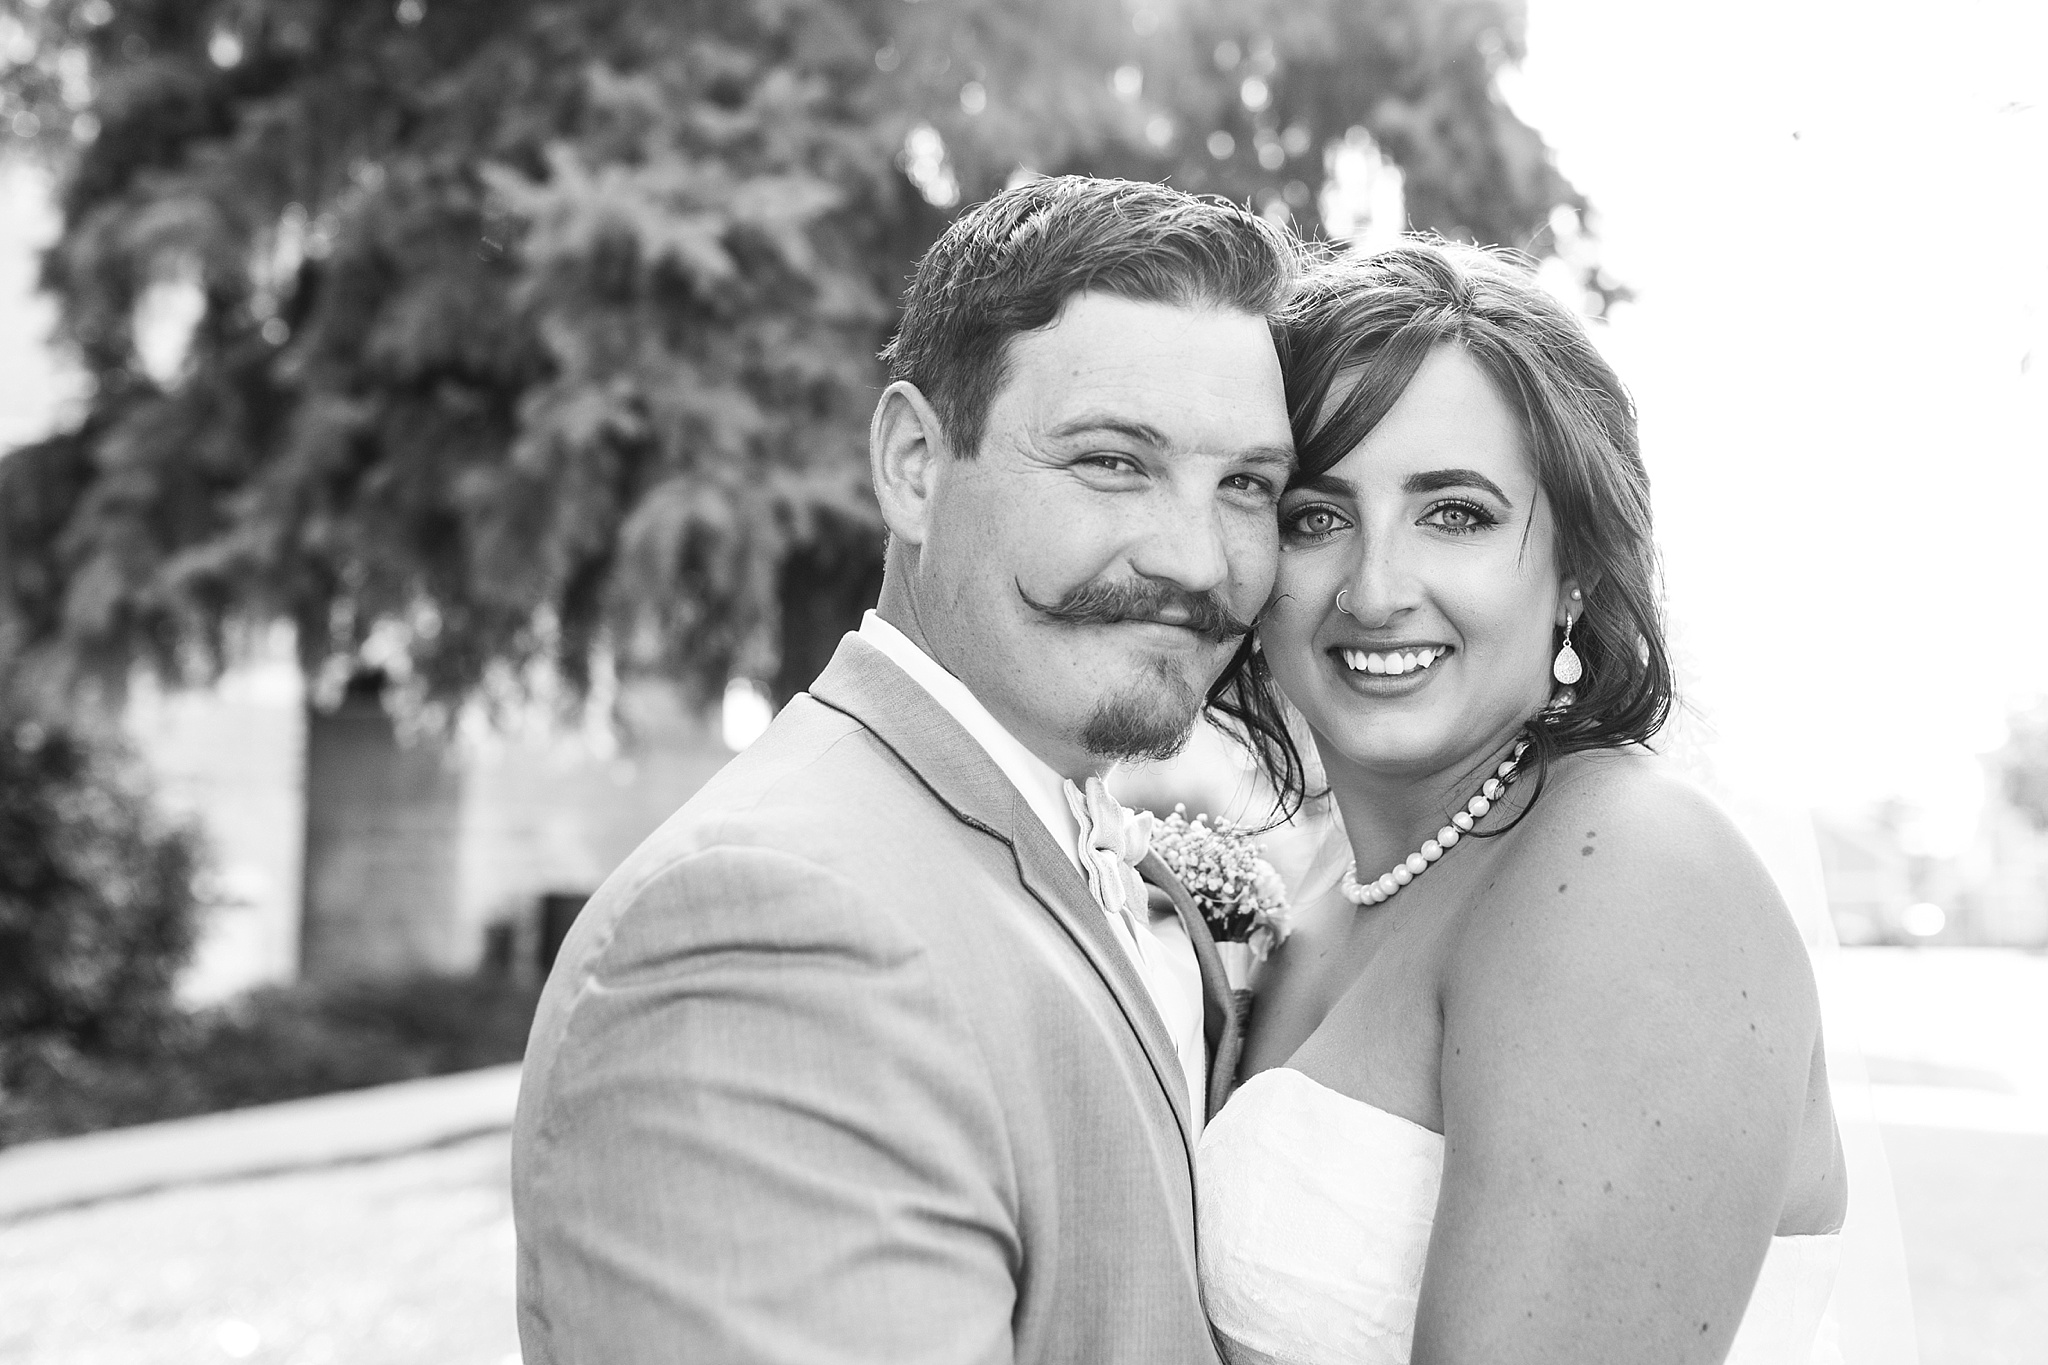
1628,1033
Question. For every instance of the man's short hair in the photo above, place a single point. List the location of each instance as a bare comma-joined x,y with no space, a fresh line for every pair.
1010,264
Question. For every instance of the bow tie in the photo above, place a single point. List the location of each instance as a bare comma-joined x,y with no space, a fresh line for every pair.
1113,841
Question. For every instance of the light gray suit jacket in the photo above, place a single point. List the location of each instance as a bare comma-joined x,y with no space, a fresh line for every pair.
843,1066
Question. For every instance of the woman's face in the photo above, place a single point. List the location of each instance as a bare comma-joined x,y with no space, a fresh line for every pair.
1437,531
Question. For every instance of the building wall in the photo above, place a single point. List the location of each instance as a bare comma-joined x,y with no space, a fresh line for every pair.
546,812
1869,882
340,848
231,758
383,819
2005,874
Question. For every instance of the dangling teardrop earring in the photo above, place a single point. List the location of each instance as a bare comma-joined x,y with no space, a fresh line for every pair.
1566,667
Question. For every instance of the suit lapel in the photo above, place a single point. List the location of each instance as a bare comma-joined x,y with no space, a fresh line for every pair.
1049,876
1220,1024
861,682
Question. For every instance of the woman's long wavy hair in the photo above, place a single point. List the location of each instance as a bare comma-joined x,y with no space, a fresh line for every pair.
1375,319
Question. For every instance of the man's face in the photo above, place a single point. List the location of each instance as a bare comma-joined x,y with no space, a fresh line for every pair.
1091,569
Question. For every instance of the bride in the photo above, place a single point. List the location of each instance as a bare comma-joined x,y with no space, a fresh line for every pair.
1548,1084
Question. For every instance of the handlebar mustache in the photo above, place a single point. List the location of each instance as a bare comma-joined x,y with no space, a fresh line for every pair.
1106,604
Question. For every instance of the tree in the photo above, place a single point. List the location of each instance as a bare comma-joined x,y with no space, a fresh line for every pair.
539,331
2021,765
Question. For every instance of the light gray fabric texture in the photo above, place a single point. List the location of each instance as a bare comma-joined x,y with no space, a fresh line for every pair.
843,1067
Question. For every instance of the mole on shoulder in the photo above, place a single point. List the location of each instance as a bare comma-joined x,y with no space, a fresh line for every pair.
1586,852
1560,888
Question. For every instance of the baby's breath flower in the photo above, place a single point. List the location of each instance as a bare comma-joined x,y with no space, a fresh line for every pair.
1241,897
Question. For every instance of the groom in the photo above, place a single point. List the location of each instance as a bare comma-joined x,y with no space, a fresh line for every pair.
878,1051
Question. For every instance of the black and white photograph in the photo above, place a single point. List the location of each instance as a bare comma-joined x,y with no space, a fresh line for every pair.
1023,682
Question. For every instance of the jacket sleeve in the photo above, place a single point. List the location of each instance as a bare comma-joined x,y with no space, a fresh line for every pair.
758,1130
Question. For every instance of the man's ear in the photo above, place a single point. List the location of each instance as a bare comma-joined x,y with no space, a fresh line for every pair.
906,451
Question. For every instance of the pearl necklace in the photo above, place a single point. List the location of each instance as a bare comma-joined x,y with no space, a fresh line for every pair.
1417,863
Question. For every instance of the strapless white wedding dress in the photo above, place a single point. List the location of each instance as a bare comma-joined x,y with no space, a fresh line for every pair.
1315,1211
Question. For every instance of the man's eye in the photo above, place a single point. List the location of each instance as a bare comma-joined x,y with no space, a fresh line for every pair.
1115,464
1254,484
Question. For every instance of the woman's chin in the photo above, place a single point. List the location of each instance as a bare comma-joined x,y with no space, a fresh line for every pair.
1385,746
1404,742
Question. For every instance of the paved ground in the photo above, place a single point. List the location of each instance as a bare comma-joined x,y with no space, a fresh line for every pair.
1957,1040
408,1260
1974,1207
297,1135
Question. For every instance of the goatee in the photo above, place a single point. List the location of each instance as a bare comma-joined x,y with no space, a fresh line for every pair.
1141,725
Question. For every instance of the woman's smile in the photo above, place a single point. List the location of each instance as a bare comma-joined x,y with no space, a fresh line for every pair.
1387,670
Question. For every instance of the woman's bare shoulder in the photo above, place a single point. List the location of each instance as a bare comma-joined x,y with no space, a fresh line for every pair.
1619,822
1623,871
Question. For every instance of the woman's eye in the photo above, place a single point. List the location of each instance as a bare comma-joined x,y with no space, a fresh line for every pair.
1314,522
1458,517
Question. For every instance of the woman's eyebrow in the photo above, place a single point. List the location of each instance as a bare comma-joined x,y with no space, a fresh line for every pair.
1325,482
1435,480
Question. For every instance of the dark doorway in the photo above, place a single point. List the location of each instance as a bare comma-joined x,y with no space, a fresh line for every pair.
558,910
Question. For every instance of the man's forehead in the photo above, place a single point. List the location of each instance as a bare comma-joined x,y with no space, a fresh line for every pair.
1150,371
1089,315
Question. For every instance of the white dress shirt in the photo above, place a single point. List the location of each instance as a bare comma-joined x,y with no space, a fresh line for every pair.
1167,966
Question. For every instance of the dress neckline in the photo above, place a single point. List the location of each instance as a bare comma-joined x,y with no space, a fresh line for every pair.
1317,1086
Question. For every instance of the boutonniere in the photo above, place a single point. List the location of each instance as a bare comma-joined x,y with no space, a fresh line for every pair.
1241,897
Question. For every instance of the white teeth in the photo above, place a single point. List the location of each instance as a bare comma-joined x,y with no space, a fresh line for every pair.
1392,665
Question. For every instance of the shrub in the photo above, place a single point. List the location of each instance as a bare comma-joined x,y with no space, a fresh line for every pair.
96,900
278,1043
97,917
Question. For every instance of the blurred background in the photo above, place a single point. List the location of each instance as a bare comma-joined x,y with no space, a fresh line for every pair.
432,440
